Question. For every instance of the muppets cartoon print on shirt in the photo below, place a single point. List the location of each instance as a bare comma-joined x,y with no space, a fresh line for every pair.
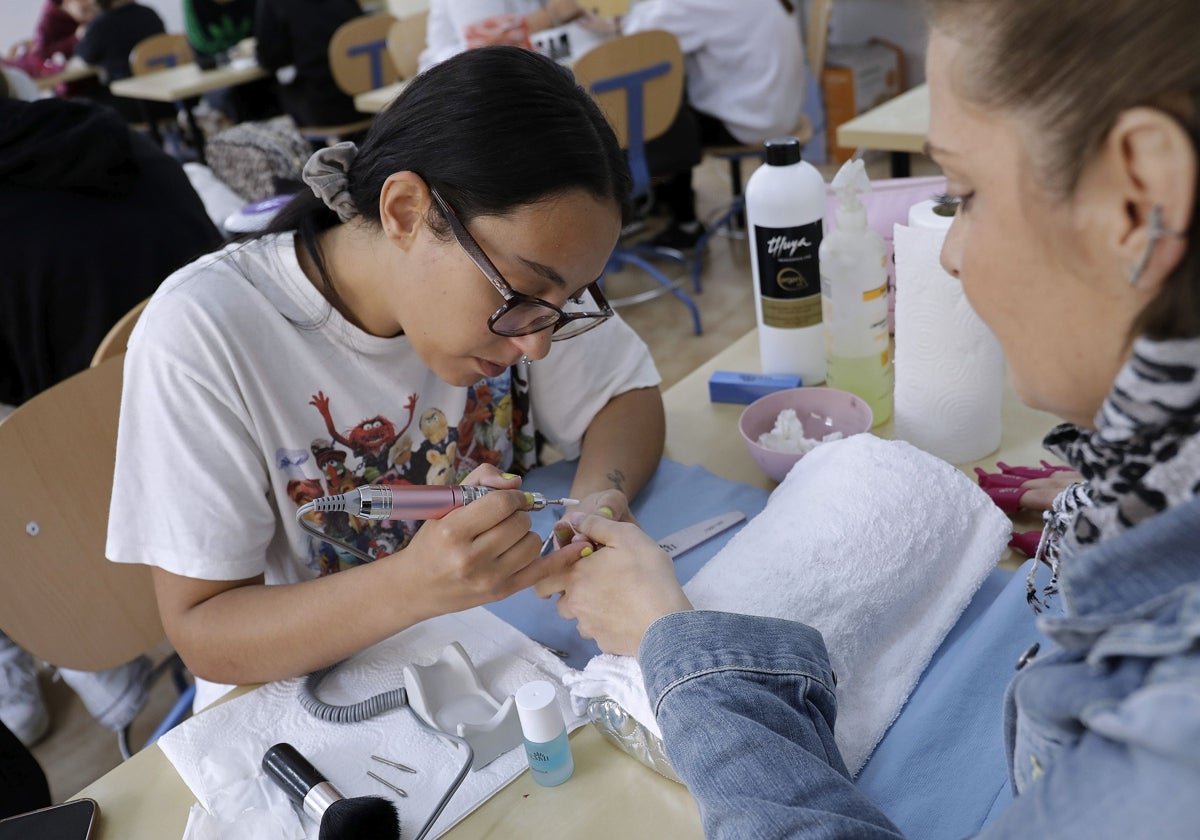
425,444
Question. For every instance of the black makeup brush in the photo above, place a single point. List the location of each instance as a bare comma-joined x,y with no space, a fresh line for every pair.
365,817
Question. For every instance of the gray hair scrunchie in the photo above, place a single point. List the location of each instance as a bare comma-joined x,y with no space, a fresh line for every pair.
327,174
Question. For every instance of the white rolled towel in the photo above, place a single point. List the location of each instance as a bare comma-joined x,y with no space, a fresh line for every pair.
875,543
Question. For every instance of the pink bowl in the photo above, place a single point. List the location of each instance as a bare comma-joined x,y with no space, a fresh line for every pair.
821,411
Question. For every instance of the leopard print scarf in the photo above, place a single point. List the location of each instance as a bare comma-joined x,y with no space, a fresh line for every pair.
1142,458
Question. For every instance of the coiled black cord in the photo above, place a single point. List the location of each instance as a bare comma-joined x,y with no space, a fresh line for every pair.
372,707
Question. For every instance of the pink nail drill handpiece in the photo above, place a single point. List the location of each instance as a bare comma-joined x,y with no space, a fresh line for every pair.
414,501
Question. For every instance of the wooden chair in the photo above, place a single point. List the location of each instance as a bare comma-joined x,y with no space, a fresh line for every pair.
62,600
160,52
359,62
637,80
20,48
117,338
406,39
153,54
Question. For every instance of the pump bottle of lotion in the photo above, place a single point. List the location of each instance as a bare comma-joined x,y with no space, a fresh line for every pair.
854,298
785,208
546,744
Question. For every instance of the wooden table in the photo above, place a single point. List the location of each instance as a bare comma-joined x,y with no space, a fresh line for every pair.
73,71
611,794
899,126
185,82
374,101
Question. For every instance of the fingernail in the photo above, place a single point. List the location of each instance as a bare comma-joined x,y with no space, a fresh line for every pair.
606,512
529,499
561,535
509,475
586,551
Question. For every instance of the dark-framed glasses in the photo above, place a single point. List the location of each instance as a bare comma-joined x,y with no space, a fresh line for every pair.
524,314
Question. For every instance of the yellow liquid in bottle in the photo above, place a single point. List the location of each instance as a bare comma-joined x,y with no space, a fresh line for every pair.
869,377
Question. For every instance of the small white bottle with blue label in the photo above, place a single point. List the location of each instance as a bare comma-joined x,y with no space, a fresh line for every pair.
545,733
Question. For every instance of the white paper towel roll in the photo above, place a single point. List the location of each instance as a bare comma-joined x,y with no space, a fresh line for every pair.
949,368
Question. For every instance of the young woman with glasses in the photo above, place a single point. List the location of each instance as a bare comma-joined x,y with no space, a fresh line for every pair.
428,314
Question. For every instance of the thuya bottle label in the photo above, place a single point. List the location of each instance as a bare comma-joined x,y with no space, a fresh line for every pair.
789,274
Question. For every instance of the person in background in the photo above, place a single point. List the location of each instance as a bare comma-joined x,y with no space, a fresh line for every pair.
296,33
745,83
109,39
1069,132
113,34
213,28
449,20
428,312
93,216
59,27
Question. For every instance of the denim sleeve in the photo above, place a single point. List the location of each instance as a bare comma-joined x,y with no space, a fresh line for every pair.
746,707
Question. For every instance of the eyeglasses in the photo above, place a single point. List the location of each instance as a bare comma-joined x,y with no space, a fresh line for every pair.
523,314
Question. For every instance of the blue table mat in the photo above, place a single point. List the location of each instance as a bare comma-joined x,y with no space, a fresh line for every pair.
941,772
676,496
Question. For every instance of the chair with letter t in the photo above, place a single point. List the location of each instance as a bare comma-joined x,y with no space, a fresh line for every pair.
359,61
637,80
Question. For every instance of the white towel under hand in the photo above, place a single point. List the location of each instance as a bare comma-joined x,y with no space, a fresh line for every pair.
878,545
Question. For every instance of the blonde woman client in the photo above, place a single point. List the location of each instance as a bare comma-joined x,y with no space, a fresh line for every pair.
1069,134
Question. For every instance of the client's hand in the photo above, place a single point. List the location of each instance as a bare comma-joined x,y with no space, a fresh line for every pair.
611,504
620,589
1040,493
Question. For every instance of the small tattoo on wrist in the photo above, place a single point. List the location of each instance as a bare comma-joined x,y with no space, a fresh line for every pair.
618,479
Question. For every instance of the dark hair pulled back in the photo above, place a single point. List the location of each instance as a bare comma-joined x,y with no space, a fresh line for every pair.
492,129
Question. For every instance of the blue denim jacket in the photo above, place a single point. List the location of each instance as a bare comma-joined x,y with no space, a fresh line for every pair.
1103,730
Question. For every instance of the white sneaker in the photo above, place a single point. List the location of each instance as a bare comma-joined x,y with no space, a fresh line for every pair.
21,705
114,697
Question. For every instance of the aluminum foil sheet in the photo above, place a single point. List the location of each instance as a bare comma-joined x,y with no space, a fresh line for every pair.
622,729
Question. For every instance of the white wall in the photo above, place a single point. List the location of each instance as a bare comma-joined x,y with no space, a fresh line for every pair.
18,17
900,21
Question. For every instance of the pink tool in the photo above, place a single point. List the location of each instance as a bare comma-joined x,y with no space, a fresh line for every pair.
1046,470
1008,499
1026,542
987,479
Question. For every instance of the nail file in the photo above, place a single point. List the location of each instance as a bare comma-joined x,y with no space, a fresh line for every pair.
686,539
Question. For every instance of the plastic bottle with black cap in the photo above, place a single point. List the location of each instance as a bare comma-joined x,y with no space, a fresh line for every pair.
785,209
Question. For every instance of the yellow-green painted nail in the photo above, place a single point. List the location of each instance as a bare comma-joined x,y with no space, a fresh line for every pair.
509,475
587,549
529,499
606,512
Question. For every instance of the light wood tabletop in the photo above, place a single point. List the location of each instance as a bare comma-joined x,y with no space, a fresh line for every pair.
185,81
703,432
72,71
611,794
899,126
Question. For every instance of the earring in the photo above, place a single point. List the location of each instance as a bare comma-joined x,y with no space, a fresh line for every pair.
525,360
1157,232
